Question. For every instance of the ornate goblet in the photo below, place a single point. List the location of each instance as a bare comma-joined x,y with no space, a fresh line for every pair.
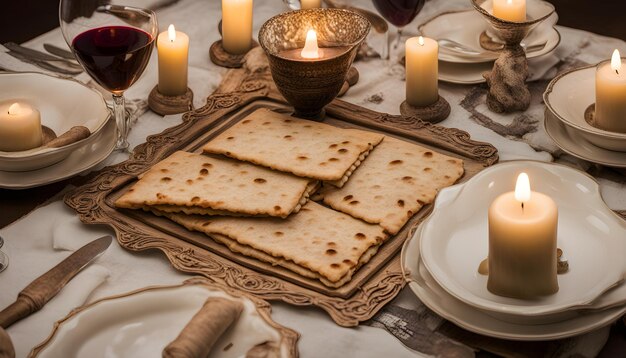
507,80
309,84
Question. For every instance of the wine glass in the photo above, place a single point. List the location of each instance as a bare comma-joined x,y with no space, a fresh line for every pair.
400,13
113,44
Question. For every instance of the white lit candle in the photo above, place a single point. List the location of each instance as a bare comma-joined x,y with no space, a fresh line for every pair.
611,95
237,26
173,51
20,127
422,71
310,4
522,243
510,10
310,50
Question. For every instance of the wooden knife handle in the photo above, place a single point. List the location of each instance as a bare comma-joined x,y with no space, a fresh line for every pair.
19,309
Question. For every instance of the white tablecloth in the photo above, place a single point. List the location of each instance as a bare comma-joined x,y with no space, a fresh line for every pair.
29,241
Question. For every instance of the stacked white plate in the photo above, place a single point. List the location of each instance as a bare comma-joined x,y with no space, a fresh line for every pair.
63,103
441,260
567,98
465,27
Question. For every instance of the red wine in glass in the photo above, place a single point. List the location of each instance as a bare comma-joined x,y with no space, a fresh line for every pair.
399,12
115,56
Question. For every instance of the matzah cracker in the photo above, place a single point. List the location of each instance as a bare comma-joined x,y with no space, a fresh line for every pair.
393,184
217,184
318,239
304,148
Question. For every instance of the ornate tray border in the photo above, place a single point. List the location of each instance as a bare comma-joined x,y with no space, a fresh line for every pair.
239,88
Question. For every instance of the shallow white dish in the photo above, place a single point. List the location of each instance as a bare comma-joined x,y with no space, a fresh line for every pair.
143,322
93,150
466,26
63,103
593,238
568,95
573,143
437,299
463,74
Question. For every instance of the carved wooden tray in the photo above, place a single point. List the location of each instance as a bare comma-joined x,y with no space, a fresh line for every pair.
241,92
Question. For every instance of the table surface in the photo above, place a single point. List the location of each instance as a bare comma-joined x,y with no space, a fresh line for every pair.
406,322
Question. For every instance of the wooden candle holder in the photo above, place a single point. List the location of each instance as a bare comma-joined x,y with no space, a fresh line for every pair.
433,113
164,105
220,57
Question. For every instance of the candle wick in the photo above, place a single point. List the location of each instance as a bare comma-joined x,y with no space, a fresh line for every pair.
617,71
522,206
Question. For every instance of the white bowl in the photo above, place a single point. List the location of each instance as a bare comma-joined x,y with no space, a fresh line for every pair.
63,104
568,95
593,238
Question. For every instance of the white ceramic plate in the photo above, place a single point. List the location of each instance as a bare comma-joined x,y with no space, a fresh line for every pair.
142,323
568,95
572,142
593,238
466,26
63,104
463,74
95,149
437,299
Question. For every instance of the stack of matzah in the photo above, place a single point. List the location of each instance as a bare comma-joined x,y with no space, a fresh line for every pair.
256,201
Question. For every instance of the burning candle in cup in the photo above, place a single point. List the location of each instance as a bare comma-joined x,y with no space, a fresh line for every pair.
522,243
20,127
611,95
510,10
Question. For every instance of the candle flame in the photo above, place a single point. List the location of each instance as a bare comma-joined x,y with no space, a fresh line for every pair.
522,188
509,2
15,109
616,61
310,50
421,41
171,33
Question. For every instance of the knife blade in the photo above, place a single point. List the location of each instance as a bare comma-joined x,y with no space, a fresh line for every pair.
37,55
32,298
59,51
44,65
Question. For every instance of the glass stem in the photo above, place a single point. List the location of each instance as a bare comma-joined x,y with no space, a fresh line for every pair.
398,38
119,110
385,51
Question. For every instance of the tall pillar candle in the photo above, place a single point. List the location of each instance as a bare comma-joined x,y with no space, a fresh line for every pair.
611,95
422,71
20,127
310,4
237,26
510,10
173,51
522,243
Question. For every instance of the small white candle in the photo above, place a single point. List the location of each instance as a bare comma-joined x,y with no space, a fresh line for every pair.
611,95
422,71
510,10
173,51
522,243
20,127
310,4
310,50
237,26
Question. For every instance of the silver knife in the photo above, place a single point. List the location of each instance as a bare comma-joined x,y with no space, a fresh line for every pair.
45,65
59,51
32,298
37,55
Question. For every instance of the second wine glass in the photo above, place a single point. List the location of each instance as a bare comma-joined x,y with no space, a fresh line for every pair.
400,13
113,44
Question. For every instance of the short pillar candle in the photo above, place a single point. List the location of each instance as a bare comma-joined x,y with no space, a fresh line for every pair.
422,71
522,243
173,52
237,26
20,127
611,95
